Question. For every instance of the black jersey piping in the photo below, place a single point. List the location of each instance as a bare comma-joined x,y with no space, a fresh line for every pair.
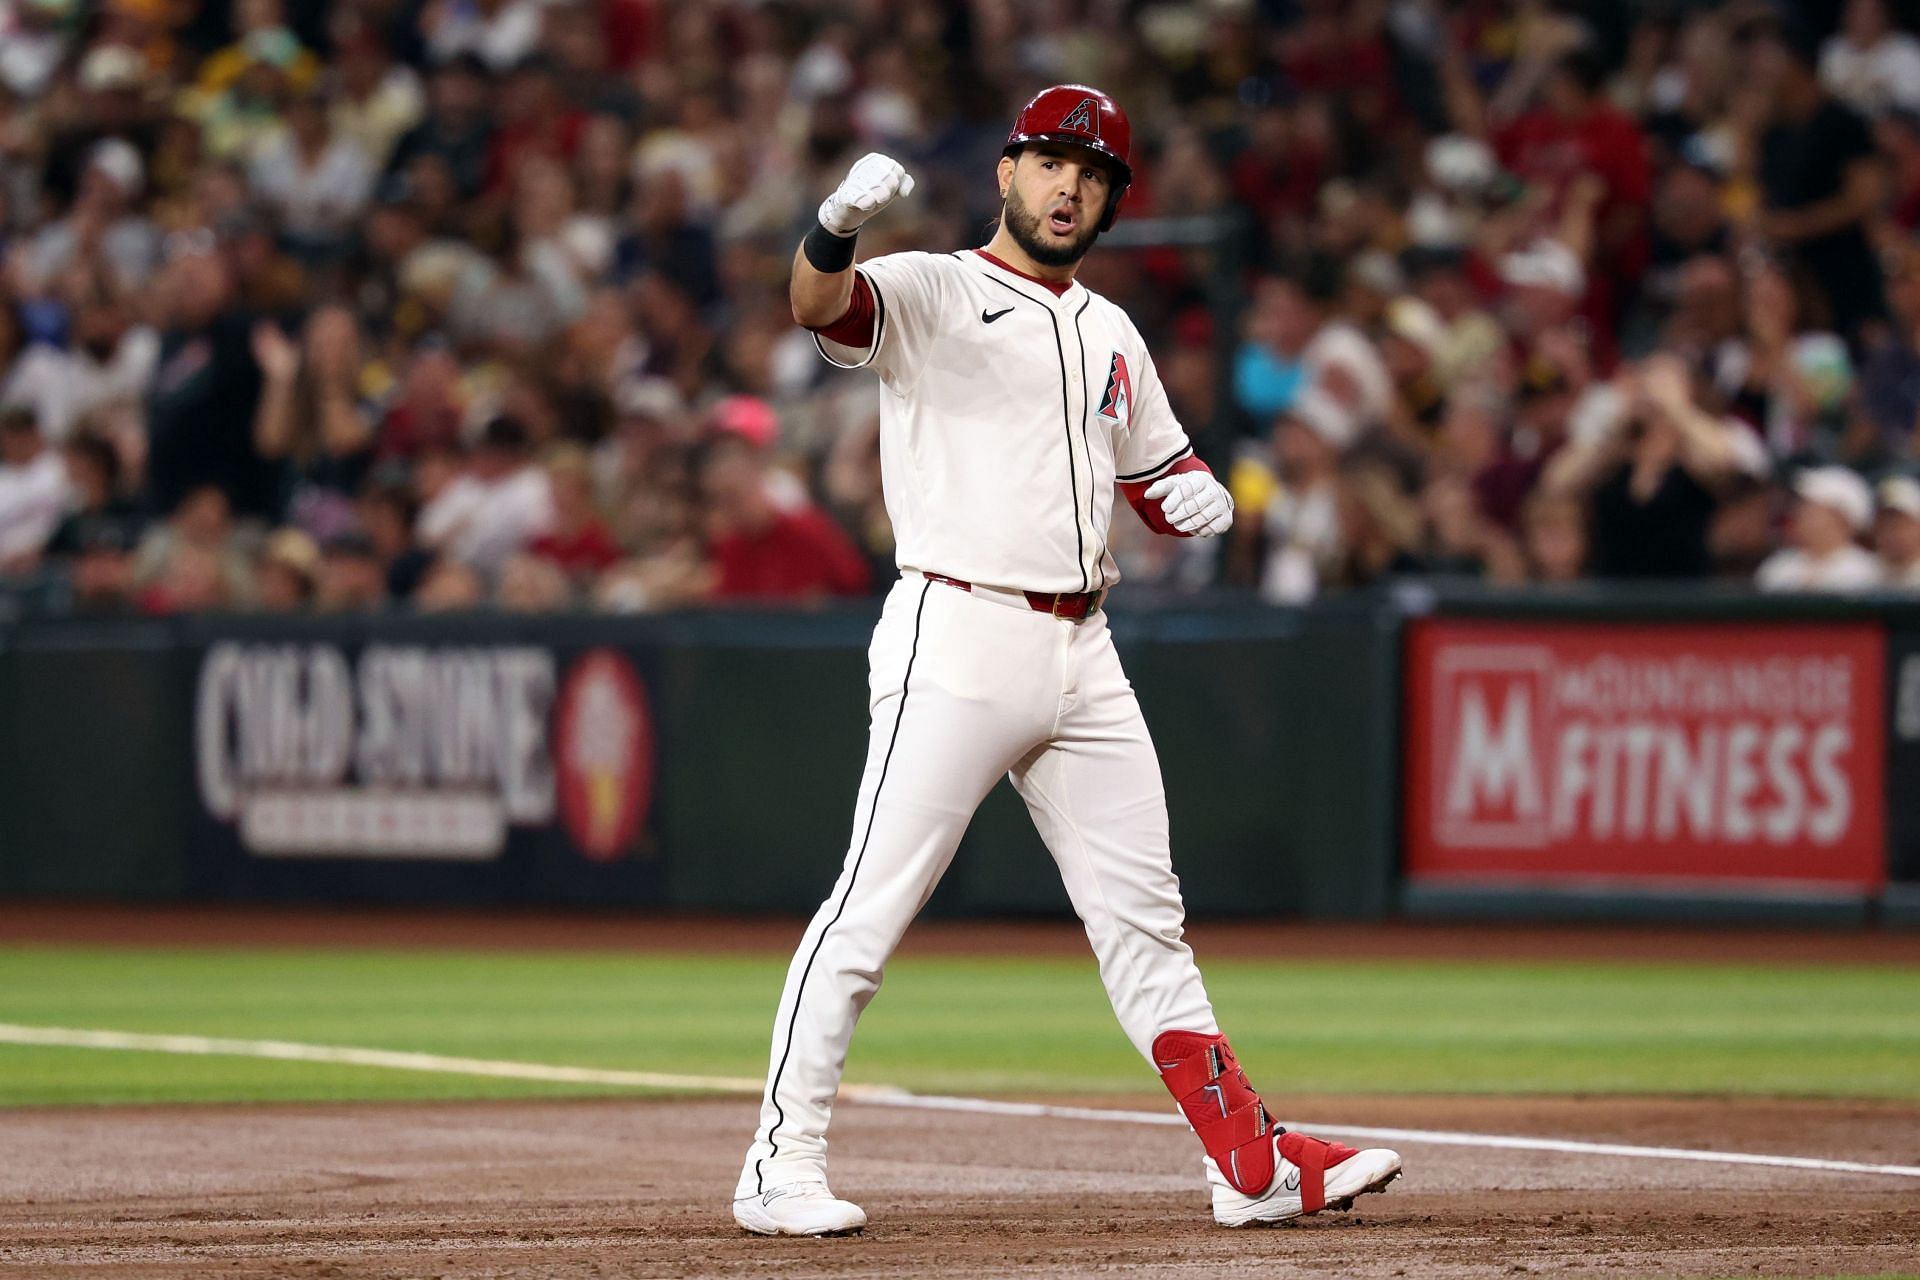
1086,411
793,1016
1158,467
1066,423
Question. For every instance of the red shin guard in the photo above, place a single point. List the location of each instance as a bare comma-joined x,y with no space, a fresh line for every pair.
1205,1078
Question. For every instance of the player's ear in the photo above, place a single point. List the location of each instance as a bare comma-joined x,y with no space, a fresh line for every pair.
1005,172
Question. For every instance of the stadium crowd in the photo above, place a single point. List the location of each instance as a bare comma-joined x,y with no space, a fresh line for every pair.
458,302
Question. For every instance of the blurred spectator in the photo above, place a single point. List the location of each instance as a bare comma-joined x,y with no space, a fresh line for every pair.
1303,516
1268,367
1650,468
379,99
98,507
498,32
449,586
284,577
351,576
761,551
103,226
578,542
457,131
497,505
101,374
33,491
532,584
100,566
426,411
1897,533
194,559
1832,508
311,418
261,35
1554,531
200,408
1820,179
387,515
1868,64
34,37
1575,135
1339,360
191,580
1890,382
1379,529
316,181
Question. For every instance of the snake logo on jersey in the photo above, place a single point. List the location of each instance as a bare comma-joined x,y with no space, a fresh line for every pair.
1084,118
1117,402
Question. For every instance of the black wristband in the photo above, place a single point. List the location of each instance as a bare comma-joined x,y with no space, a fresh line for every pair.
828,252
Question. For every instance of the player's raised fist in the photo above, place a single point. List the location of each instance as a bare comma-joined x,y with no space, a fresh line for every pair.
1194,502
874,182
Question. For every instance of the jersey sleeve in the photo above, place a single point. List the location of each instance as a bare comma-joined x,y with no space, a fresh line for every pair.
906,289
1154,440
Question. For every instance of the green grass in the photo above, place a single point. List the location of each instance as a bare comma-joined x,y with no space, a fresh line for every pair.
959,1025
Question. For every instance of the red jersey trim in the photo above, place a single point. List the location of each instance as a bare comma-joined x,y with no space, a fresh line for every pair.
855,328
1057,288
1135,492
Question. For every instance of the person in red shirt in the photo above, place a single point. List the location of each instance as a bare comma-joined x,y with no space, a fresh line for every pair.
579,541
761,550
1574,131
537,120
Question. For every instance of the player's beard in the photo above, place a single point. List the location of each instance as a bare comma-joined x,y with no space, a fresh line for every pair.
1023,224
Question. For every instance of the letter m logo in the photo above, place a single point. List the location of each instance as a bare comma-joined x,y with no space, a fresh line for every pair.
1084,118
1490,740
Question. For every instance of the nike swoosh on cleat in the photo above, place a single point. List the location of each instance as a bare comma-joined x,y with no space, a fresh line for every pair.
991,316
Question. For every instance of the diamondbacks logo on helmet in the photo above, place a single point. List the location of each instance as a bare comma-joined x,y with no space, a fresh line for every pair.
1117,403
1084,118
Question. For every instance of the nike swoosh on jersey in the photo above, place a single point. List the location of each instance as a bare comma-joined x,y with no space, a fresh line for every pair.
990,316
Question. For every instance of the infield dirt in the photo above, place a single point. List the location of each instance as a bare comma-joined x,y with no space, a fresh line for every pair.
640,1188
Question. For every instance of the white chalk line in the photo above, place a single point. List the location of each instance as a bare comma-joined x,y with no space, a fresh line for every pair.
874,1095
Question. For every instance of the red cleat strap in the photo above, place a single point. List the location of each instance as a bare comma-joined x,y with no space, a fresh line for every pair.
1313,1158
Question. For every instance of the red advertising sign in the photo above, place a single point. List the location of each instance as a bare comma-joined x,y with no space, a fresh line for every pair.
1600,752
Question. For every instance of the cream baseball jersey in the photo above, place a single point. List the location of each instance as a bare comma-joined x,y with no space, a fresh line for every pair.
1009,409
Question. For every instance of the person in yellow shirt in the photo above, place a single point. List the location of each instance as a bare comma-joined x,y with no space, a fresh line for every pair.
262,35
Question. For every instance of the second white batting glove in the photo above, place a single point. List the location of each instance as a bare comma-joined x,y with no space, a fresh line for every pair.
874,182
1194,502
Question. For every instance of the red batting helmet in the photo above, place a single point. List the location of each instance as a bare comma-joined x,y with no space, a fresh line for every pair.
1085,117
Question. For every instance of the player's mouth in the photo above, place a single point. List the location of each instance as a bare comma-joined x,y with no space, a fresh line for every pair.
1063,220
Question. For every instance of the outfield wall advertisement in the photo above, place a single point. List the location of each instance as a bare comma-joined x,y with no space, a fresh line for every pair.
369,761
1607,753
1903,751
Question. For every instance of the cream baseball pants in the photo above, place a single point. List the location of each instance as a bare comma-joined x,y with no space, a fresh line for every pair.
966,686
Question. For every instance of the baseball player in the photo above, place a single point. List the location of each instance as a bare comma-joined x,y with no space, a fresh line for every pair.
1012,402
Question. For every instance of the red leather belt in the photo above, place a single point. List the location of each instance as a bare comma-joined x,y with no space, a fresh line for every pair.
1073,605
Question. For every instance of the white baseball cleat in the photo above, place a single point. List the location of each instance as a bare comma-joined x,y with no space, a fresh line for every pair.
1308,1175
798,1209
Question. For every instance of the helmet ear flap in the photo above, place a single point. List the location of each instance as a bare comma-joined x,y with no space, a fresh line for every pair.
1113,205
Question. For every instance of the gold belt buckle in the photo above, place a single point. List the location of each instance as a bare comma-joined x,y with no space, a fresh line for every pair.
1057,597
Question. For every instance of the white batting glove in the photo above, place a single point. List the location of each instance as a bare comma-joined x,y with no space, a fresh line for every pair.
874,182
1194,503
